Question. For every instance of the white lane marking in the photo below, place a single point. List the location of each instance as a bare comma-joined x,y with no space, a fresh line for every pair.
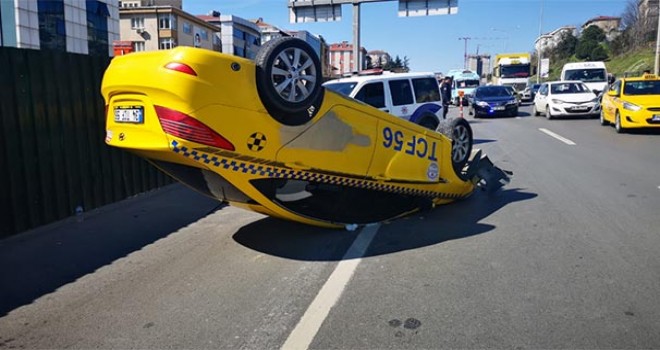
310,323
558,137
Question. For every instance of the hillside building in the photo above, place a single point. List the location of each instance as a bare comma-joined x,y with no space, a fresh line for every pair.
84,27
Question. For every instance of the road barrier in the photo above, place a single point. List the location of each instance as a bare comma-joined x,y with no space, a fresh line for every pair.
53,161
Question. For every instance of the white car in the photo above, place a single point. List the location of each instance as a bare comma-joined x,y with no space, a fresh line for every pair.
411,96
566,98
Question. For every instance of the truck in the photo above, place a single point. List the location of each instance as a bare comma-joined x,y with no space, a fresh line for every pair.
462,80
512,69
592,74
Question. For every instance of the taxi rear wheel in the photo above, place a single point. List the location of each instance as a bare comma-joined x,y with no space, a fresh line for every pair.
289,79
603,122
461,145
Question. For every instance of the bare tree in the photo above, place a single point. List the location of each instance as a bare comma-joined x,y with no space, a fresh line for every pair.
632,24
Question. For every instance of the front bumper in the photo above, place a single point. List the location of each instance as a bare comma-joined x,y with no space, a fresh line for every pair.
641,119
573,109
495,110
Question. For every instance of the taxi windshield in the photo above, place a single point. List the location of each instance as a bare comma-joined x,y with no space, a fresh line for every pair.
642,87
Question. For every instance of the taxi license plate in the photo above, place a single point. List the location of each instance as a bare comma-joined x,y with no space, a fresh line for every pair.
656,118
499,108
131,114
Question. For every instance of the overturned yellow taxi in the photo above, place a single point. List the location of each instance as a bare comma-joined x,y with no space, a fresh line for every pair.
265,135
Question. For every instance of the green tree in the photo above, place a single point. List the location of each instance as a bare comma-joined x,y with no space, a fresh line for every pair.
598,53
565,47
584,48
593,33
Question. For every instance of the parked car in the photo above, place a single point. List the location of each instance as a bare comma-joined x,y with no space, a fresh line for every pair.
565,98
266,136
493,100
529,93
410,96
632,103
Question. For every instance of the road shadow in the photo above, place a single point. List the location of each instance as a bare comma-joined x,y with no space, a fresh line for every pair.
572,117
38,262
648,131
482,141
448,222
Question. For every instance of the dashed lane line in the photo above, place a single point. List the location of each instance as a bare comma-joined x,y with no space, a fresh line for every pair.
557,136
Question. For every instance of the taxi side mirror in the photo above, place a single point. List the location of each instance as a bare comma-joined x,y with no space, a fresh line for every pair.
612,93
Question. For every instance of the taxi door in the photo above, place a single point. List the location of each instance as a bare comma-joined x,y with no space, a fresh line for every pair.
608,103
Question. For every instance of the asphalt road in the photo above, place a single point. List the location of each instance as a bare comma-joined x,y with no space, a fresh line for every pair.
565,256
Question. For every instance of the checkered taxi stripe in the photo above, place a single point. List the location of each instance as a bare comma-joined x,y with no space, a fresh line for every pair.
275,172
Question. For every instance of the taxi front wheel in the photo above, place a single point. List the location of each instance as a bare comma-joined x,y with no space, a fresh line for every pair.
617,123
461,145
288,78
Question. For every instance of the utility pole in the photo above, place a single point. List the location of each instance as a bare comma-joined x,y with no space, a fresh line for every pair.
465,54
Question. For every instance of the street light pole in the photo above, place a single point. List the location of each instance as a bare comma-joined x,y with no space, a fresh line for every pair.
538,54
657,45
356,37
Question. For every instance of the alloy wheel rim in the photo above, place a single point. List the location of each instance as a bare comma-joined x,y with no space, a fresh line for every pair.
617,122
461,144
293,75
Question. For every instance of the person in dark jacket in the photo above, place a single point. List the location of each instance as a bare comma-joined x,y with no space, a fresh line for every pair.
445,91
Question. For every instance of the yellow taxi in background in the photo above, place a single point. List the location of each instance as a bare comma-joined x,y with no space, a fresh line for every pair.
632,103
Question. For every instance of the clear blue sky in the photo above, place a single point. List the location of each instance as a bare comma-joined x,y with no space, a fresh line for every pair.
431,43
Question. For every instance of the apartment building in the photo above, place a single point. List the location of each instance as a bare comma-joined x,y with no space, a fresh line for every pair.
550,40
240,37
610,25
341,58
149,25
480,64
77,26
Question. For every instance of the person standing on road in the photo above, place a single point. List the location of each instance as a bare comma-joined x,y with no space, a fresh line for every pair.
445,91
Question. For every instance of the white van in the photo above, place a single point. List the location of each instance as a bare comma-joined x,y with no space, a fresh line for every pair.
593,74
411,96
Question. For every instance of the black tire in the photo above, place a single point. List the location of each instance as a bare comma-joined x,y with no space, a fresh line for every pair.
603,122
617,124
461,145
429,121
514,113
535,112
548,115
289,79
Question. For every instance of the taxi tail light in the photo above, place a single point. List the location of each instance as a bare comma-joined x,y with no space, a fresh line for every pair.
181,67
188,128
